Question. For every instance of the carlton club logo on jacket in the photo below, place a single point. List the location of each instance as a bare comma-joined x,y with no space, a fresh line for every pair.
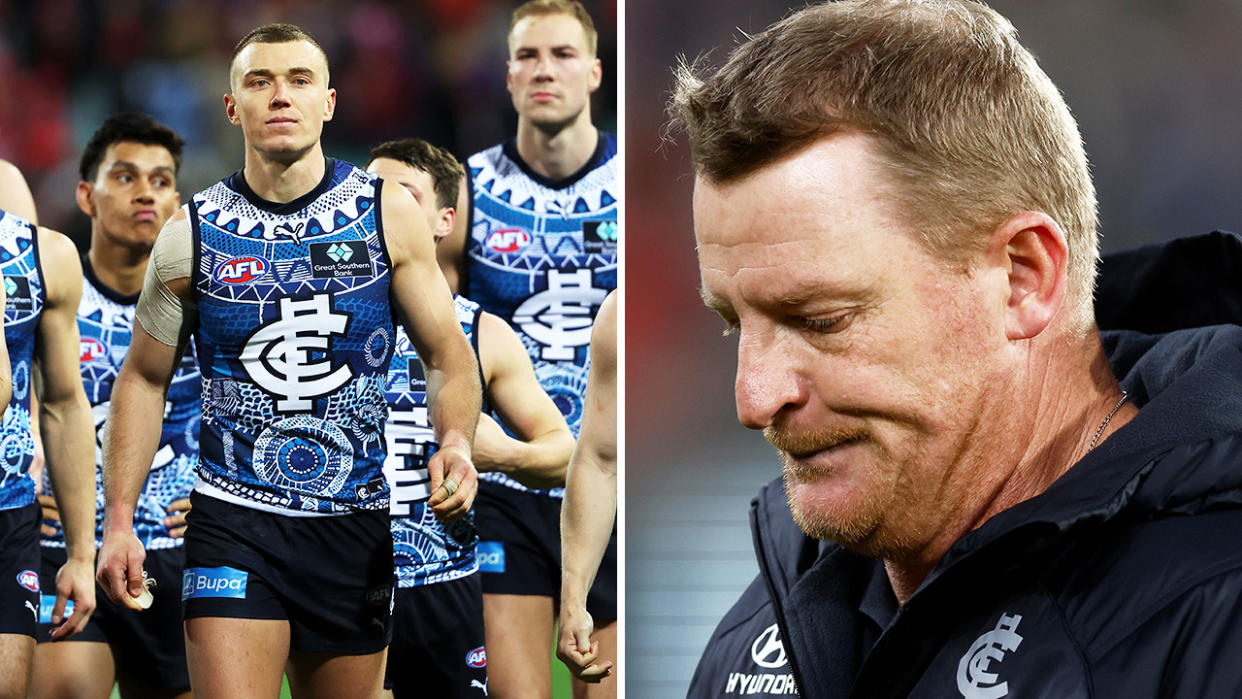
976,672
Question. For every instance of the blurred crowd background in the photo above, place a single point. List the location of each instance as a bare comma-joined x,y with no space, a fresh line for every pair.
428,68
1156,87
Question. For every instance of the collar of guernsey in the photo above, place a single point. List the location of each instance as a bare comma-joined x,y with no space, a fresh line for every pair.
294,336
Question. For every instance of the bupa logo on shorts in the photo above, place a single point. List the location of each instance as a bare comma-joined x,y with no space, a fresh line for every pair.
91,350
29,580
213,582
18,291
977,671
491,556
599,236
508,239
345,258
241,270
477,657
47,603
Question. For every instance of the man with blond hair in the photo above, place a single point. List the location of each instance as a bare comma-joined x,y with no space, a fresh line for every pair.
542,254
896,222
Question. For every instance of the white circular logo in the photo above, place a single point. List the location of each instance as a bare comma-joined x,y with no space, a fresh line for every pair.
767,650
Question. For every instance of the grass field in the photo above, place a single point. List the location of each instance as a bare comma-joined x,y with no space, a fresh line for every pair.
560,684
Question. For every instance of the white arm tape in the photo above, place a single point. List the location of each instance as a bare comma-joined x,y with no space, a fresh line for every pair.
162,313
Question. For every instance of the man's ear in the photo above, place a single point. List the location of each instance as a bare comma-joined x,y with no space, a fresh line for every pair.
230,109
85,196
444,222
1032,249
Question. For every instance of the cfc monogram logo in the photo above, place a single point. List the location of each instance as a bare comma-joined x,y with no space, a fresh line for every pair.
290,357
560,317
974,678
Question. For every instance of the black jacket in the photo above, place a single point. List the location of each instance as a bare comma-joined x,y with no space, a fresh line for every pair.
1123,579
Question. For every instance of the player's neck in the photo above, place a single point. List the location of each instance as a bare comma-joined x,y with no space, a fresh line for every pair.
283,181
557,154
118,267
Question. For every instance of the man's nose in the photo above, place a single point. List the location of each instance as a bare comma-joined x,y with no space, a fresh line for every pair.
280,95
543,68
767,381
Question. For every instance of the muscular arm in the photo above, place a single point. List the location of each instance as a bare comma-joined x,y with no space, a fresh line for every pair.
15,196
164,319
67,426
590,499
422,300
540,454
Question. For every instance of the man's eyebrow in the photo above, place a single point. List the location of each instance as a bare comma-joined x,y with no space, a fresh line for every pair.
126,165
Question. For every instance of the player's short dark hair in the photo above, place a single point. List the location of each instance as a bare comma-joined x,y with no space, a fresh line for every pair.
275,33
128,127
445,171
573,8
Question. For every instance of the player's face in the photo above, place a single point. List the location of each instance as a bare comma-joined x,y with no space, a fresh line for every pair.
419,183
551,73
863,358
280,97
134,193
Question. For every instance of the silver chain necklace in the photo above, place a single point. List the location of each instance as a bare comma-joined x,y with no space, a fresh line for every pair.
1095,440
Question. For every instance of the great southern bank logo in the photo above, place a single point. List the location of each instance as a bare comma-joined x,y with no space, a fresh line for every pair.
241,270
976,676
213,582
508,239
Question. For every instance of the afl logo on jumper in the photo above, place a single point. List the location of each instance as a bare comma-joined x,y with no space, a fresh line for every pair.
975,676
560,318
29,580
767,650
508,239
291,357
477,657
90,349
241,270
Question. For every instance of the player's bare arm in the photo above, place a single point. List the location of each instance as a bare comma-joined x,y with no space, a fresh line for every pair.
164,319
538,455
15,196
68,428
590,501
424,305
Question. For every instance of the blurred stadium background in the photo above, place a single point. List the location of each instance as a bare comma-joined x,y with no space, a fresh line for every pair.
1155,87
428,68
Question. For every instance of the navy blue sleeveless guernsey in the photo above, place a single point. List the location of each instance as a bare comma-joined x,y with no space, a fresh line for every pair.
105,326
19,263
425,550
542,254
294,337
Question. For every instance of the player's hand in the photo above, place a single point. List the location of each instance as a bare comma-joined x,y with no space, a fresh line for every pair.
120,567
576,649
175,521
452,462
73,582
51,513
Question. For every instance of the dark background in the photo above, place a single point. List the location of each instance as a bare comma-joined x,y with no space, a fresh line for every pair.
1156,87
428,68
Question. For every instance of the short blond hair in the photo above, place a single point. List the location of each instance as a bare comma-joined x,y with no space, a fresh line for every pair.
968,127
539,8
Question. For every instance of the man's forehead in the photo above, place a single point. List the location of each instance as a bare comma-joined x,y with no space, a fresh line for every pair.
279,58
126,153
398,168
542,31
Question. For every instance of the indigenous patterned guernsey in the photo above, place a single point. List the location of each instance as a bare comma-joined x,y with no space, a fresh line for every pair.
23,283
105,323
543,255
294,338
424,549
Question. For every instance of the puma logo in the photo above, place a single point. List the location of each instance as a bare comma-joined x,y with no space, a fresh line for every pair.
286,230
481,685
34,611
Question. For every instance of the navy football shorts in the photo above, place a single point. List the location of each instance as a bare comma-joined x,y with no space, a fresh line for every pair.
520,549
19,569
437,641
148,646
330,577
